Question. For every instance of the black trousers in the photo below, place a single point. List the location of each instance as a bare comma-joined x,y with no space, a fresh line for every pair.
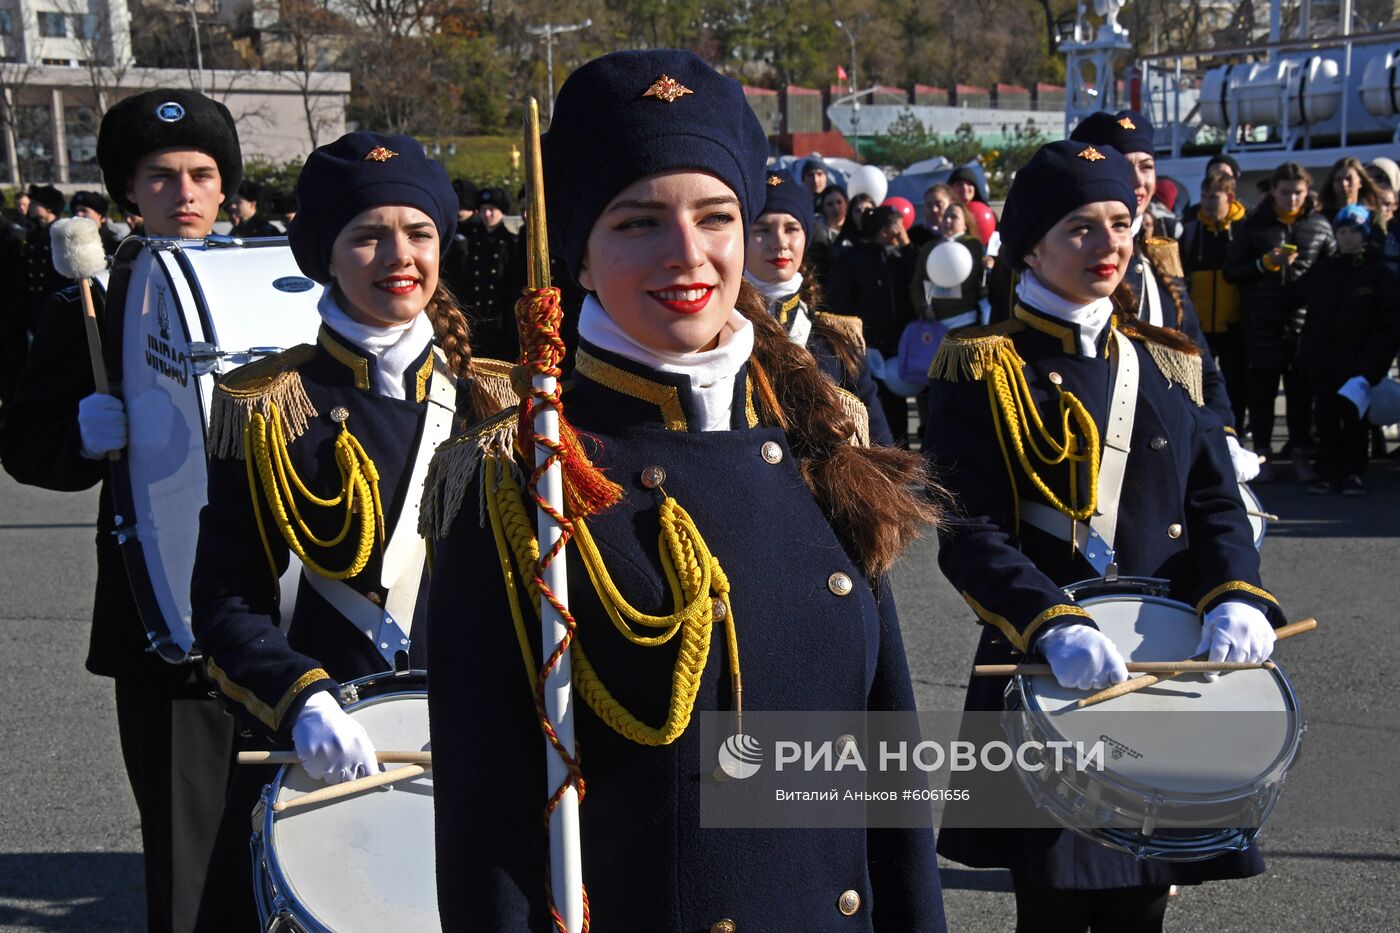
176,745
1297,394
1228,349
1040,909
1342,439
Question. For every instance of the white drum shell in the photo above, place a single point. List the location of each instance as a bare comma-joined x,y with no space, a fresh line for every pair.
359,863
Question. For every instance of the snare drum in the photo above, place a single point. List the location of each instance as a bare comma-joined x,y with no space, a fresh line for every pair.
1258,518
1175,788
364,862
180,313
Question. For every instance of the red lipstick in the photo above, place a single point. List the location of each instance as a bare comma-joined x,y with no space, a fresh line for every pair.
684,299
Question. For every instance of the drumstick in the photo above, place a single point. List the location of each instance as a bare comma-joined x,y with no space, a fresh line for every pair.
1269,515
350,788
290,758
1139,683
1134,667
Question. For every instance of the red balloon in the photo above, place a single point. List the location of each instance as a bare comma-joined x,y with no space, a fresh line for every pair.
986,220
906,209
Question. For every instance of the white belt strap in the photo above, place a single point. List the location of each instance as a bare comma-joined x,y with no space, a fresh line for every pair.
801,327
1151,300
402,570
1096,540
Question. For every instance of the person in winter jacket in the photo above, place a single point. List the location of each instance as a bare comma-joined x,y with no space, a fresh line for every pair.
1269,259
1205,243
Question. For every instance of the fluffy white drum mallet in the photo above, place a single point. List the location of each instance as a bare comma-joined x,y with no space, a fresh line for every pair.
77,248
949,264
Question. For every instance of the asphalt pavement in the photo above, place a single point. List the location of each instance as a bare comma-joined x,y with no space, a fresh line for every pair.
70,842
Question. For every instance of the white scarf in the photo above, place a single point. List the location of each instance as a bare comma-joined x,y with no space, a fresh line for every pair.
776,291
1092,318
711,372
394,347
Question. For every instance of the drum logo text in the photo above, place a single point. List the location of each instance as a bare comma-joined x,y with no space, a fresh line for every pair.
161,356
1117,749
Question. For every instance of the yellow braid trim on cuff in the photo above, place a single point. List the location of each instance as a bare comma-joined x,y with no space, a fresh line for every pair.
1234,586
270,716
1021,641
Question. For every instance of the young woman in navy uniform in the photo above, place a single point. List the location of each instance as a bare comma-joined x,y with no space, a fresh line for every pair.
174,156
313,454
774,266
1066,227
718,429
1155,272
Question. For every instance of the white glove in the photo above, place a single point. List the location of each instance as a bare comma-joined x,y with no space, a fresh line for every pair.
1236,631
331,745
1245,462
1082,658
101,425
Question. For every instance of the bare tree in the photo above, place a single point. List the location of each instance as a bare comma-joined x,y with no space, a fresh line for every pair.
14,77
93,36
306,41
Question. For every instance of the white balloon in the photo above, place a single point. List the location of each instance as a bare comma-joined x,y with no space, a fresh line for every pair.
949,264
868,179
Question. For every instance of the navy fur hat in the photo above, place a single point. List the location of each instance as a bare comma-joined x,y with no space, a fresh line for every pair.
89,199
47,196
1127,131
1061,177
166,118
787,197
355,173
630,114
496,197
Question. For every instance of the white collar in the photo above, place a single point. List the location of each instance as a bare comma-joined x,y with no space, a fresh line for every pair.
776,291
394,348
711,372
1090,318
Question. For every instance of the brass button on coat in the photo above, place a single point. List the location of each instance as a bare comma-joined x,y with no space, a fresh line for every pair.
653,476
772,451
1157,443
723,926
840,584
1173,530
719,611
848,903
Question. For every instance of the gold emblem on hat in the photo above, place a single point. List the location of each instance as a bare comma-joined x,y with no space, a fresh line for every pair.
1127,124
380,154
774,181
1090,154
668,89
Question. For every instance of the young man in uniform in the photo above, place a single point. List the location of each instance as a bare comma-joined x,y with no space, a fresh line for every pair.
173,157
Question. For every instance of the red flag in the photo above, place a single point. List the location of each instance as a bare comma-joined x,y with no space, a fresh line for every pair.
841,74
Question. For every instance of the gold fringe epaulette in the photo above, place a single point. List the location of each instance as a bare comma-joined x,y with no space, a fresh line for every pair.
494,376
1165,254
847,325
258,387
969,353
853,406
455,464
1184,369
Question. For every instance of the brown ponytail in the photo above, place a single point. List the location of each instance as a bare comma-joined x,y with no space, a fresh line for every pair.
865,492
453,336
1125,306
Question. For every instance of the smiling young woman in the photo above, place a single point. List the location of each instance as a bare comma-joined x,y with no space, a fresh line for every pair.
313,457
744,519
1045,382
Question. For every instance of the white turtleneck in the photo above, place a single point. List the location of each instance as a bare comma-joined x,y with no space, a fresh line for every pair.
711,372
1091,318
776,291
394,347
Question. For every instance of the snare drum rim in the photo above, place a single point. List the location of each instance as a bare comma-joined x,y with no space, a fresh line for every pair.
158,631
1271,776
1252,503
409,683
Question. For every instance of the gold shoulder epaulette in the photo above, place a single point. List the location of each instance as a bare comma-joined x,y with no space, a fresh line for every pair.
1165,254
971,352
1184,369
847,325
273,381
494,378
853,406
454,465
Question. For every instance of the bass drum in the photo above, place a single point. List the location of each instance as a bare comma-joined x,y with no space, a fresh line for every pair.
181,313
1258,518
359,863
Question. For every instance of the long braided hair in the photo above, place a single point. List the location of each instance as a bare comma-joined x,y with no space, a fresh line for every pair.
453,335
1125,304
878,499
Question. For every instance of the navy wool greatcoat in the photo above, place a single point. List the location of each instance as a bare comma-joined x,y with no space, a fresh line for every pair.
647,863
1180,519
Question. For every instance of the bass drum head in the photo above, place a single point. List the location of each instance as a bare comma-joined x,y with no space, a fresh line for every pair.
173,308
366,862
1178,755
